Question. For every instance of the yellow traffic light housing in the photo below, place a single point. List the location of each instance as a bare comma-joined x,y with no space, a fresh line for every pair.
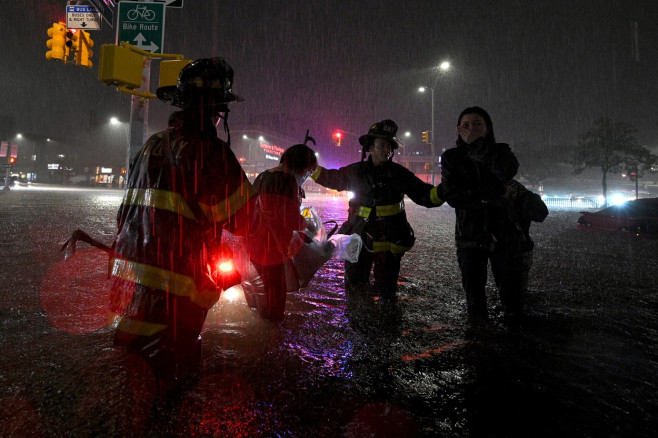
57,42
73,42
83,57
120,66
426,136
169,71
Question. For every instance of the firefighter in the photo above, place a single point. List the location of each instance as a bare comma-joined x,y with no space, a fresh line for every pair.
184,187
376,212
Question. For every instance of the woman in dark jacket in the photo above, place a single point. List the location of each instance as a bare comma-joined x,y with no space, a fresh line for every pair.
376,212
474,174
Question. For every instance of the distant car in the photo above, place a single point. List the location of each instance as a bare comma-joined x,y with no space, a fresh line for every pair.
639,216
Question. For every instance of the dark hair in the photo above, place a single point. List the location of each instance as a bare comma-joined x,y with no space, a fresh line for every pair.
299,158
490,137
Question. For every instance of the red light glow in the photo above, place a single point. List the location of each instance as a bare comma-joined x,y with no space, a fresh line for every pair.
225,266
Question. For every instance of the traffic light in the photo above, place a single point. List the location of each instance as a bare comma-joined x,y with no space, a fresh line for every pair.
337,137
73,43
83,57
169,71
12,160
426,136
57,42
427,166
120,66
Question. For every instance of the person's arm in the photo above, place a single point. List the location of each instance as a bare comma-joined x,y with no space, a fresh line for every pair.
535,208
496,158
459,190
337,179
530,205
418,191
227,199
279,207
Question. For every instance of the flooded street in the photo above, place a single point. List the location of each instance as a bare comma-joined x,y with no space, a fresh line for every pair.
583,362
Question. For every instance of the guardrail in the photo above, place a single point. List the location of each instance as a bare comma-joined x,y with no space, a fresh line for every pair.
575,202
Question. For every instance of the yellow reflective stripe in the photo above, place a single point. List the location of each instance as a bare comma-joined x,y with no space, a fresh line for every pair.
150,276
434,196
231,205
315,175
388,246
364,212
389,210
161,279
381,210
160,199
141,328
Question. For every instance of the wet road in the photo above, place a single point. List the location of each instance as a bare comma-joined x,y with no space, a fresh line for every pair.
582,363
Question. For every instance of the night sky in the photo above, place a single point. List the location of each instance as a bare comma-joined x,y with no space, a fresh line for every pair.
545,70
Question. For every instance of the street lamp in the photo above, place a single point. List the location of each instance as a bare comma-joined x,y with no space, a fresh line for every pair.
444,66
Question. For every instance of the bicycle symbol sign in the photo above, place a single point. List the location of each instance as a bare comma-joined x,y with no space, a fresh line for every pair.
142,25
141,12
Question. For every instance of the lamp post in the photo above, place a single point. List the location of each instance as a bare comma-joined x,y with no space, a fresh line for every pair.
444,66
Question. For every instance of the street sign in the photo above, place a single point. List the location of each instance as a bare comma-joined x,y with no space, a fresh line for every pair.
106,9
142,25
168,3
83,17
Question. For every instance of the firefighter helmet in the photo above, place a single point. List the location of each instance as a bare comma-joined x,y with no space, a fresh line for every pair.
204,83
384,129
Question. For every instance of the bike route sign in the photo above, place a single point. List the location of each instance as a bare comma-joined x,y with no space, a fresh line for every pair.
142,25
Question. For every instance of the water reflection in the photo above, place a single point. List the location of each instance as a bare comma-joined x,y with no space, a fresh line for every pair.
583,362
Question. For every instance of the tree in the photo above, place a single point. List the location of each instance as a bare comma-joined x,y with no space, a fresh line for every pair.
609,146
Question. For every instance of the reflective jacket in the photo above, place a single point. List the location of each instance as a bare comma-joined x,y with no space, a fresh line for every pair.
376,212
185,186
473,178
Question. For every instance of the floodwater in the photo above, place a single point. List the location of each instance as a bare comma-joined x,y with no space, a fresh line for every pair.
583,362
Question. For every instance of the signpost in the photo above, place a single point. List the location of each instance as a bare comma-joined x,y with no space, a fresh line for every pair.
142,25
83,17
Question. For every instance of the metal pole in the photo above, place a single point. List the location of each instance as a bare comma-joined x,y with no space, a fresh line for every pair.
432,143
7,176
139,118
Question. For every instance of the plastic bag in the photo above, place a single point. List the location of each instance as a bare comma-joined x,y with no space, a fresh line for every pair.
312,248
346,247
308,259
315,229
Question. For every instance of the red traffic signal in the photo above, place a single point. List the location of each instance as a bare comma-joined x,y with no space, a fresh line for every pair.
337,137
12,160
